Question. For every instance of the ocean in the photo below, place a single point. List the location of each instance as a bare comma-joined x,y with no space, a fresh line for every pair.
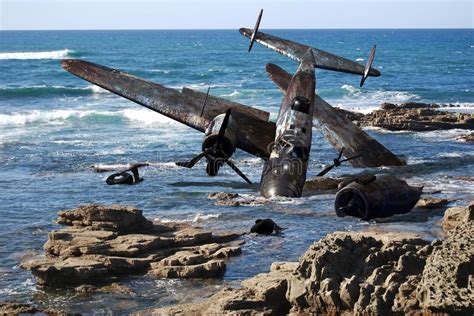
54,126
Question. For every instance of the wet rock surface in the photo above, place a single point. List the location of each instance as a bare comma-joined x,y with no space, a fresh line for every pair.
431,203
414,116
467,138
14,308
102,243
361,273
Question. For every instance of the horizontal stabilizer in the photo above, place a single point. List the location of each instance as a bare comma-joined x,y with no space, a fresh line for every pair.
340,131
296,51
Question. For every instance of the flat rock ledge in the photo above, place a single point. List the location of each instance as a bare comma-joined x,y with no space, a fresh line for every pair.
361,273
414,116
102,243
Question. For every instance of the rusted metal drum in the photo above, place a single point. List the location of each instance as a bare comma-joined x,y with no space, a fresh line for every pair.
375,197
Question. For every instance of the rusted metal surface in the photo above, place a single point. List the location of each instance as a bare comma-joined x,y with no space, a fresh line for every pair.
376,197
215,105
255,135
340,131
296,51
284,173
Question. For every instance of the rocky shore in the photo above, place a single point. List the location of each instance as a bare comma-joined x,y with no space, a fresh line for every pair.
413,116
361,273
102,243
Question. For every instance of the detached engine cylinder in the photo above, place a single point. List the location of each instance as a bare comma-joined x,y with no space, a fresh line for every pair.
376,197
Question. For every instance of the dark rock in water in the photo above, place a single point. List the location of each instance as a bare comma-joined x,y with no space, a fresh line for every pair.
414,116
468,138
114,288
104,242
222,195
322,184
14,308
362,273
265,227
234,199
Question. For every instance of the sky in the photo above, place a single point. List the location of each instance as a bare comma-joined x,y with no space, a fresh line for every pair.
225,14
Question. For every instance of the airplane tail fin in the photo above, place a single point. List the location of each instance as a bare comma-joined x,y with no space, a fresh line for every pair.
296,51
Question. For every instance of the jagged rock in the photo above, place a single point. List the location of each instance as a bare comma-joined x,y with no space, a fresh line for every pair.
263,294
365,273
198,262
414,116
114,217
107,241
432,203
14,308
456,216
222,195
115,288
447,281
234,199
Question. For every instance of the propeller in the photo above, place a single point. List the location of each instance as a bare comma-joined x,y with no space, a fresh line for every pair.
337,163
368,66
237,170
195,160
216,151
255,30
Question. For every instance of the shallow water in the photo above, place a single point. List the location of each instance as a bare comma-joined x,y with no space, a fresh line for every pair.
53,126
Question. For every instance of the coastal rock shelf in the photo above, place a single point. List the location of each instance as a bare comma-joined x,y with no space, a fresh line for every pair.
361,273
104,242
414,116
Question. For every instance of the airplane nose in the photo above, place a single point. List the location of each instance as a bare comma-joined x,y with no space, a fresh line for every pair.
279,188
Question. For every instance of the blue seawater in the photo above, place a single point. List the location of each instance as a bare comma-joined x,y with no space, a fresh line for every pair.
54,126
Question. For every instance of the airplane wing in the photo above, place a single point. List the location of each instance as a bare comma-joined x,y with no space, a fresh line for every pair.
340,131
187,107
295,51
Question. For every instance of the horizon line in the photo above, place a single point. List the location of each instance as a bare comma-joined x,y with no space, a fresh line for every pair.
232,29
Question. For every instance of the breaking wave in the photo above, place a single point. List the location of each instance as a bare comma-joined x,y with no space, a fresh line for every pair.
59,117
56,54
47,91
359,100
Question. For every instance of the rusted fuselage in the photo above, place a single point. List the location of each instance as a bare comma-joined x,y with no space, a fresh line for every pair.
284,173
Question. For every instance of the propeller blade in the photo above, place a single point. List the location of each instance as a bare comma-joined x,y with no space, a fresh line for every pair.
340,154
255,30
347,159
192,162
237,170
225,122
368,65
325,170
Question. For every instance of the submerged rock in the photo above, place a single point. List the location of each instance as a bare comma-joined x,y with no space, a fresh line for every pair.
14,308
360,273
432,203
104,242
234,199
467,138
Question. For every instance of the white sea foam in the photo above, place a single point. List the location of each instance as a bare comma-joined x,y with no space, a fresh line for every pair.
204,217
363,101
41,116
147,117
233,94
193,218
360,59
57,54
97,89
55,117
161,71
